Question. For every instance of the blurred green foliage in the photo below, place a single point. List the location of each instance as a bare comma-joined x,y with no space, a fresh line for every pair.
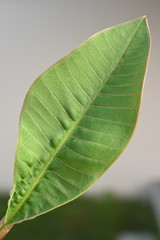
86,218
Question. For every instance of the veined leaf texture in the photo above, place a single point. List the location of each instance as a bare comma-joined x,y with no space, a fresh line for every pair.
77,118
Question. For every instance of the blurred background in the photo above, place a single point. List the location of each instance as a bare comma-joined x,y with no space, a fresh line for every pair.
124,204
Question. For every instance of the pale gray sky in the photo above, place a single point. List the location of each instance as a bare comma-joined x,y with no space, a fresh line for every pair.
34,34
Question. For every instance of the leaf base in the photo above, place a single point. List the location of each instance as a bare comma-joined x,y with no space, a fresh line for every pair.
4,229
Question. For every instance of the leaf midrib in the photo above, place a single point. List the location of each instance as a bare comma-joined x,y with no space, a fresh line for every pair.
72,128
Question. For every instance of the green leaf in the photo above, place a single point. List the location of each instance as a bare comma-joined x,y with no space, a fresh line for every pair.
77,118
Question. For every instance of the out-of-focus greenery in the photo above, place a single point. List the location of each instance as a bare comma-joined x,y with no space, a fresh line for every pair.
86,218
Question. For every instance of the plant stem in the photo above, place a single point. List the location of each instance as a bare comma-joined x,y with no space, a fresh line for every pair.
4,229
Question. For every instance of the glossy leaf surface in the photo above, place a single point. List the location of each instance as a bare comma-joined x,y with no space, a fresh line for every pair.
77,118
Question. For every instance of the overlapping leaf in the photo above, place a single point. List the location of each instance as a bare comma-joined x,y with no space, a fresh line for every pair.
77,118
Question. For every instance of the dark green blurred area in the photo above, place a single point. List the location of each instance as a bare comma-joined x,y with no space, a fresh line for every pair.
86,218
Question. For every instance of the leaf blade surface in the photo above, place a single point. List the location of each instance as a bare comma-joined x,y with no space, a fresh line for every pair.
77,118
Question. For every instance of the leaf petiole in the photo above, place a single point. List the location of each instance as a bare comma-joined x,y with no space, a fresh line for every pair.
4,229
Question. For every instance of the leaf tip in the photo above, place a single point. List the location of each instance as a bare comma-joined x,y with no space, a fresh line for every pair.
144,18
